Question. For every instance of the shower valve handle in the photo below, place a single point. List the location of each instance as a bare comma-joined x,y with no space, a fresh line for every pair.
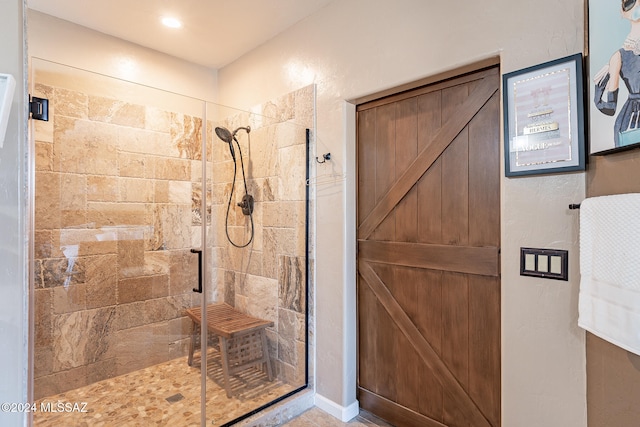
246,204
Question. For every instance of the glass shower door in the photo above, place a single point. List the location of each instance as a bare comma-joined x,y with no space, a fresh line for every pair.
118,209
258,254
125,231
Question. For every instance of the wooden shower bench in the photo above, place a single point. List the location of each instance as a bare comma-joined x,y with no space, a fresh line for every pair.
242,338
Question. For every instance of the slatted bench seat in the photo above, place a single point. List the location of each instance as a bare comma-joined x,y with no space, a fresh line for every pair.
243,341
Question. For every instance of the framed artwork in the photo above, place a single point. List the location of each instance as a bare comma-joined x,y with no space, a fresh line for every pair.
614,75
544,118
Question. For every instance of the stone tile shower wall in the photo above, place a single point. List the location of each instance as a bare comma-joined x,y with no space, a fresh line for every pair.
267,278
117,210
113,225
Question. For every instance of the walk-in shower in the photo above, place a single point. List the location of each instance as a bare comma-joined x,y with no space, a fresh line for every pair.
128,181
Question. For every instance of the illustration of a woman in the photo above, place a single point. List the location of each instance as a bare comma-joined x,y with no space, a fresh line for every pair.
625,64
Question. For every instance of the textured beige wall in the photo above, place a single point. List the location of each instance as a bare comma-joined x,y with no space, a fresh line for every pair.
352,48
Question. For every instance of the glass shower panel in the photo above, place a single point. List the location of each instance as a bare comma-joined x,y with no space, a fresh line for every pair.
118,178
259,256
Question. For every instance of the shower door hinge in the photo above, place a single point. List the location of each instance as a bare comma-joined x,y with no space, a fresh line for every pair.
39,108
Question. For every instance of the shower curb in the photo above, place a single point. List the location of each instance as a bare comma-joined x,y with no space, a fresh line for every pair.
283,411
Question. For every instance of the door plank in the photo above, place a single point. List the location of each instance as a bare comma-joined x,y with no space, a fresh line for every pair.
386,375
429,117
455,340
366,164
421,300
484,342
406,213
429,205
484,177
464,403
455,191
463,259
404,289
367,336
385,147
425,159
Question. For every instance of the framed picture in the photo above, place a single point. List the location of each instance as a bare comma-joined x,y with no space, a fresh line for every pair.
544,118
614,75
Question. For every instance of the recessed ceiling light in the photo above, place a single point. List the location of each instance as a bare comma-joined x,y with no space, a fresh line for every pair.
171,22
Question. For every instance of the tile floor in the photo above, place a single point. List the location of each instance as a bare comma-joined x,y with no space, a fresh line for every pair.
167,395
315,417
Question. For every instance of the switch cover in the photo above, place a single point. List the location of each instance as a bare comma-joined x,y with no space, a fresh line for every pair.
545,263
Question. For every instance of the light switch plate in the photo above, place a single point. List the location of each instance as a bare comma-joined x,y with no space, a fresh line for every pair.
545,263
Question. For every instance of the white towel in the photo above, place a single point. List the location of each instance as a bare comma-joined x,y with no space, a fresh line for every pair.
609,302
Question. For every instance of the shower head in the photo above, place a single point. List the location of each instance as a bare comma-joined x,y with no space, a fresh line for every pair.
228,137
225,135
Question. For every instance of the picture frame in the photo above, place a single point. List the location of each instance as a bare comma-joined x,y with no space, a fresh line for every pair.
544,128
613,51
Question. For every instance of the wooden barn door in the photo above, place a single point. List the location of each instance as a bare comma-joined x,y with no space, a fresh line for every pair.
428,254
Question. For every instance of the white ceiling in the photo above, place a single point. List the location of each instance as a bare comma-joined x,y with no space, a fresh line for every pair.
214,32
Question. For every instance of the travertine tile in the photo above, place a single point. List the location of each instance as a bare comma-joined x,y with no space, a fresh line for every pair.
262,296
81,337
142,288
44,156
42,313
291,284
132,164
90,241
81,146
170,168
101,281
47,203
117,112
102,188
157,119
292,185
118,214
146,142
73,199
183,271
70,103
69,298
135,190
186,135
42,243
62,271
172,227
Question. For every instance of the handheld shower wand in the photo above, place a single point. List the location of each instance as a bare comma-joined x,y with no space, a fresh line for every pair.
247,200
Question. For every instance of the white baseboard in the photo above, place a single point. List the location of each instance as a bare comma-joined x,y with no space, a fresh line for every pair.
342,413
